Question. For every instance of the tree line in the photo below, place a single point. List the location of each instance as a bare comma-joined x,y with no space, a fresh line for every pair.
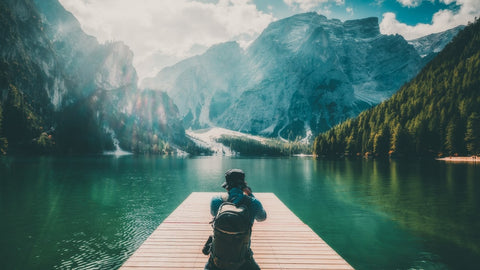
270,147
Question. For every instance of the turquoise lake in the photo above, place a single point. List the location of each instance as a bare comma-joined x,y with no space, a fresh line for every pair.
93,212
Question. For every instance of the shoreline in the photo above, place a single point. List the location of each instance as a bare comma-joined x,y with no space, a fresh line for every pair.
470,159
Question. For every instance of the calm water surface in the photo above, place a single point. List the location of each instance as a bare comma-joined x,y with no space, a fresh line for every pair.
93,212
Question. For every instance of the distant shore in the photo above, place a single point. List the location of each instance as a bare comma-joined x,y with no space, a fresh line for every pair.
473,159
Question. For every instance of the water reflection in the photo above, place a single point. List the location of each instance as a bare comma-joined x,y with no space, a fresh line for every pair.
433,202
93,212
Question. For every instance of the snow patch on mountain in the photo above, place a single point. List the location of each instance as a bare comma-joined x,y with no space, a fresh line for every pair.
207,138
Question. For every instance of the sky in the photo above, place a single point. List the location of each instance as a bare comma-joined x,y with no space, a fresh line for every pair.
162,32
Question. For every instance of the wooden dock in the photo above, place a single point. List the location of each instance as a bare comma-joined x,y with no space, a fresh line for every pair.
283,241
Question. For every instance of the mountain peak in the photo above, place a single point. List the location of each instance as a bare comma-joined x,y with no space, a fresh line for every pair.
230,46
363,28
432,44
292,32
307,16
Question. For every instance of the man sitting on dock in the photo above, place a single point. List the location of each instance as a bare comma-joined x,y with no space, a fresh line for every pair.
229,248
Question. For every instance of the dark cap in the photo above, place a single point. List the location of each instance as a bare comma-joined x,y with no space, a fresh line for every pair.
233,178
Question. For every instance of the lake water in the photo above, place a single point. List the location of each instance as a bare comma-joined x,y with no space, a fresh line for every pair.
93,212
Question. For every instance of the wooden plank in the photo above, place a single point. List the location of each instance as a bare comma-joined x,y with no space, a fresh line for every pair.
283,241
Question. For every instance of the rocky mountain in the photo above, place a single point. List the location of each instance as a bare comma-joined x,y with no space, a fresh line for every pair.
63,91
204,86
301,76
88,65
429,46
27,62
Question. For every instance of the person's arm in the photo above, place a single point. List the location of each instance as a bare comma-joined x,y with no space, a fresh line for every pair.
215,205
260,214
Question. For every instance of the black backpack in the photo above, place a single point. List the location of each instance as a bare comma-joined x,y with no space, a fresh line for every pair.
231,234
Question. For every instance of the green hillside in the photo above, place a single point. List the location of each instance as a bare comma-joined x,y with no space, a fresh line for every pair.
437,113
22,117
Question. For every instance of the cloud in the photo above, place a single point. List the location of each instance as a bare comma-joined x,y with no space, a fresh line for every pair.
447,2
442,20
168,29
309,5
349,10
410,3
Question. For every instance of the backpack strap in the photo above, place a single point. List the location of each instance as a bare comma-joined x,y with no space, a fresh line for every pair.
246,200
224,198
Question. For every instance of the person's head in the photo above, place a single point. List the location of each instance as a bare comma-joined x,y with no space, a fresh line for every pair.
234,178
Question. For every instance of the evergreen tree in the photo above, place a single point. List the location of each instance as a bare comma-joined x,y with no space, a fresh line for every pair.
450,142
472,136
422,137
3,140
351,144
21,124
400,141
381,142
454,141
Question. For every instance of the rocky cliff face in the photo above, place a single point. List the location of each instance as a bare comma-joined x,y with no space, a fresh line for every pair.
82,95
318,72
204,86
88,65
302,75
27,58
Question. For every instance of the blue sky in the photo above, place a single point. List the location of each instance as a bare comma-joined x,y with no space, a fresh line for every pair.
163,32
407,11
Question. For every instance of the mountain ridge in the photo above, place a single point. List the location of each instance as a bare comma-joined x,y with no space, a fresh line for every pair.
301,76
